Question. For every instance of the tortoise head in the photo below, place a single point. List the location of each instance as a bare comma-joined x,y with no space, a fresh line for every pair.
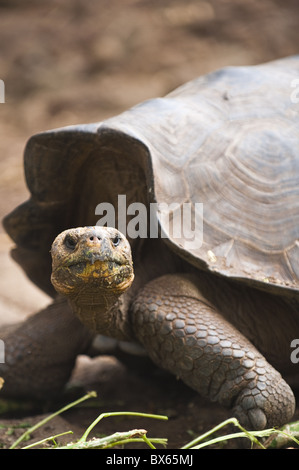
90,259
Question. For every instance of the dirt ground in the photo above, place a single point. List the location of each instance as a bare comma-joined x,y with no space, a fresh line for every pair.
82,61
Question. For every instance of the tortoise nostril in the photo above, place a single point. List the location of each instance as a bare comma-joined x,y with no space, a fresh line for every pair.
92,238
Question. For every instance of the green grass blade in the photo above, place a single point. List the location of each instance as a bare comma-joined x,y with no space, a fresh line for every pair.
27,433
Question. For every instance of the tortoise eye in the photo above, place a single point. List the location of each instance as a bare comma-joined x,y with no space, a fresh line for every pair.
70,242
116,240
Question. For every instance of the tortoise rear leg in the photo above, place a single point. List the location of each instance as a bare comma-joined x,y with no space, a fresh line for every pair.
40,353
184,334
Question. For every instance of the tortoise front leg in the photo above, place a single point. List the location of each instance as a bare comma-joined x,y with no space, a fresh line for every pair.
184,334
40,353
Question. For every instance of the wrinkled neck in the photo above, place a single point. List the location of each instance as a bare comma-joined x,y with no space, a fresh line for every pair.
103,312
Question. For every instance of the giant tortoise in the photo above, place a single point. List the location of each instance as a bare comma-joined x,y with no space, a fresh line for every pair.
215,296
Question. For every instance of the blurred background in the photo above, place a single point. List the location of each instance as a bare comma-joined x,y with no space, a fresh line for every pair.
82,61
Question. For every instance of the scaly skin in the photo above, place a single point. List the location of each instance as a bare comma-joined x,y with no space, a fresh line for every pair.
40,353
184,334
173,317
181,330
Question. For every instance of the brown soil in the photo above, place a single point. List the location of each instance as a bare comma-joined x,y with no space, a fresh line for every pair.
82,61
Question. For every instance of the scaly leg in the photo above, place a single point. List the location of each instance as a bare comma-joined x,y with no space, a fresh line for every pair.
40,353
185,334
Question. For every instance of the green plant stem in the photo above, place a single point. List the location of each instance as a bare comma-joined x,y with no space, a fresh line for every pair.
50,438
284,437
27,433
249,434
116,439
117,413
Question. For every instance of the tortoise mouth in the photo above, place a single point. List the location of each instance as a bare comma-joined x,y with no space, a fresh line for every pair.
109,273
95,261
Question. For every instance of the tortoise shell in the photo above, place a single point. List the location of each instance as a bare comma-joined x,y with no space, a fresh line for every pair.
227,142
